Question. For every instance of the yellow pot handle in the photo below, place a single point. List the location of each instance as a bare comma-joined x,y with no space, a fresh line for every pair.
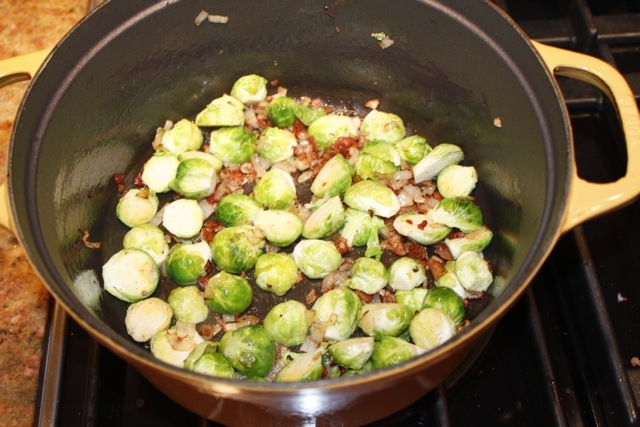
588,199
13,70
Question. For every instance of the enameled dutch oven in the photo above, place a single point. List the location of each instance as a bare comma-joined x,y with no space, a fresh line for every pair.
454,68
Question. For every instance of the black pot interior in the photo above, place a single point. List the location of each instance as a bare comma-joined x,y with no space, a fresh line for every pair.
454,67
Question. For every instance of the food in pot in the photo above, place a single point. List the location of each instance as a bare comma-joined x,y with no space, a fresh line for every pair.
266,195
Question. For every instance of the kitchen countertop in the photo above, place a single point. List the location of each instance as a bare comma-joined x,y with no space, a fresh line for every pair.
26,26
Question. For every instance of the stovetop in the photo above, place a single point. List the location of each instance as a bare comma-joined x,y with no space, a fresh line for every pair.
563,356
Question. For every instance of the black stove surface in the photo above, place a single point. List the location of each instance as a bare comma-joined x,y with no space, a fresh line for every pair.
563,356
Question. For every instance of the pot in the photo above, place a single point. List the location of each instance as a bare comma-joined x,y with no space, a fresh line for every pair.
458,72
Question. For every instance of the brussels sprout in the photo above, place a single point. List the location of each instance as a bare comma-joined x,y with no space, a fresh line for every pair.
280,228
232,144
378,125
326,129
457,181
463,214
148,238
368,275
275,190
223,111
334,178
174,345
130,275
188,261
431,327
473,271
412,299
412,149
451,281
183,218
384,319
390,351
250,89
476,241
236,249
276,144
406,273
215,162
146,318
281,111
137,207
307,114
339,308
326,220
204,359
188,304
276,272
237,209
288,322
226,293
316,258
417,227
374,196
304,367
183,136
383,150
446,300
352,353
250,350
437,159
369,166
159,171
361,229
195,179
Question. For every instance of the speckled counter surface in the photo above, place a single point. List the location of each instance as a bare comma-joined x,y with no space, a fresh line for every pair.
26,26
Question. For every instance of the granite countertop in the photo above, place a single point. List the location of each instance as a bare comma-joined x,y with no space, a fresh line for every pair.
26,26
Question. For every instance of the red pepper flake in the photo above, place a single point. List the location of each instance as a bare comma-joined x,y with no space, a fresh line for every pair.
138,180
423,224
456,234
118,179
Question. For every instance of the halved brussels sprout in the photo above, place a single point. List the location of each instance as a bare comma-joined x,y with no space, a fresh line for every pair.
250,89
326,129
237,209
183,136
361,229
215,162
205,359
282,111
368,275
188,261
316,258
304,367
148,238
372,195
280,228
463,214
450,280
412,149
473,271
457,181
130,275
232,144
276,272
476,241
352,353
187,304
339,308
406,273
250,350
384,319
325,221
159,171
275,190
137,207
195,179
162,344
389,351
307,114
236,249
437,159
418,228
378,125
369,166
288,322
431,327
276,144
412,299
383,150
226,293
146,318
183,218
334,178
447,300
223,111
